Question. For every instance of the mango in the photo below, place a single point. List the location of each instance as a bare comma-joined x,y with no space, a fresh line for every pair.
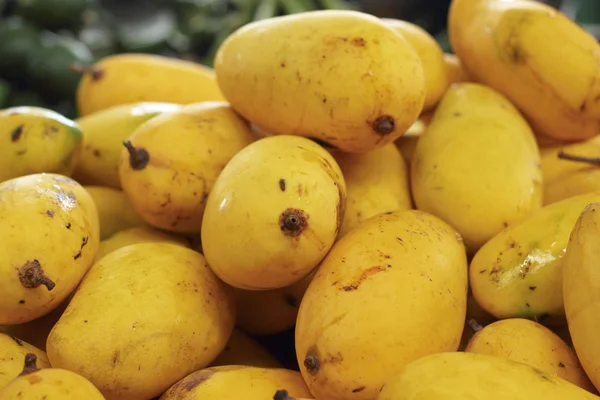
476,166
50,235
380,288
139,304
455,71
12,354
170,163
38,140
273,213
299,75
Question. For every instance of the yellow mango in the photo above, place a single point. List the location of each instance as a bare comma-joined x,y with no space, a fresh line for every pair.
273,213
454,69
572,173
518,273
235,382
431,55
243,350
530,343
268,312
114,210
12,354
477,164
461,376
299,75
376,182
171,162
48,384
130,78
139,234
37,140
556,86
49,235
103,134
390,291
581,283
144,316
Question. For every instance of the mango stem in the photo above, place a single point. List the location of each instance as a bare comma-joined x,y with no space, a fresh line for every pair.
30,364
282,395
572,157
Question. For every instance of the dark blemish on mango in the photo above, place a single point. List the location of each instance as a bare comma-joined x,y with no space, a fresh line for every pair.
324,100
96,73
532,287
358,389
516,53
84,241
192,381
17,341
384,125
311,361
282,185
115,358
21,152
290,300
482,271
282,395
527,305
561,365
359,42
293,221
68,225
543,375
31,276
456,114
96,153
282,64
30,364
21,301
50,213
505,224
138,156
16,134
363,276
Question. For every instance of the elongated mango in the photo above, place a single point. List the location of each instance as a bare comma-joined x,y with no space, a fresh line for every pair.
476,166
37,140
300,75
461,376
557,86
518,273
103,134
131,78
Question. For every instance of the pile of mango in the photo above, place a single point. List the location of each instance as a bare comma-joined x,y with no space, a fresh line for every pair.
424,224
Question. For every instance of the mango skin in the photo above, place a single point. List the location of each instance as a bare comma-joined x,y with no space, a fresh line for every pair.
12,355
50,384
476,166
279,71
244,350
282,194
37,140
454,69
372,275
49,222
129,78
431,55
177,312
234,382
460,376
376,182
518,273
580,287
188,149
557,87
565,178
531,343
103,134
115,212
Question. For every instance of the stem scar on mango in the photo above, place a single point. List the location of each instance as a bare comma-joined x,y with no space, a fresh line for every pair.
30,364
293,221
384,125
95,72
311,362
282,395
32,275
138,156
16,134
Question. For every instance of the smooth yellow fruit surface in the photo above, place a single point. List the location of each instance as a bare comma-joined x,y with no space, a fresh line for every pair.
299,74
103,134
37,140
173,160
531,343
461,376
380,288
12,355
268,312
137,305
376,181
431,55
581,284
454,69
115,212
48,384
243,350
557,86
273,213
235,382
130,78
518,273
477,164
564,178
49,235
139,234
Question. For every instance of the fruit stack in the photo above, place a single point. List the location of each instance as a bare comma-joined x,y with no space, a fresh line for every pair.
409,224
